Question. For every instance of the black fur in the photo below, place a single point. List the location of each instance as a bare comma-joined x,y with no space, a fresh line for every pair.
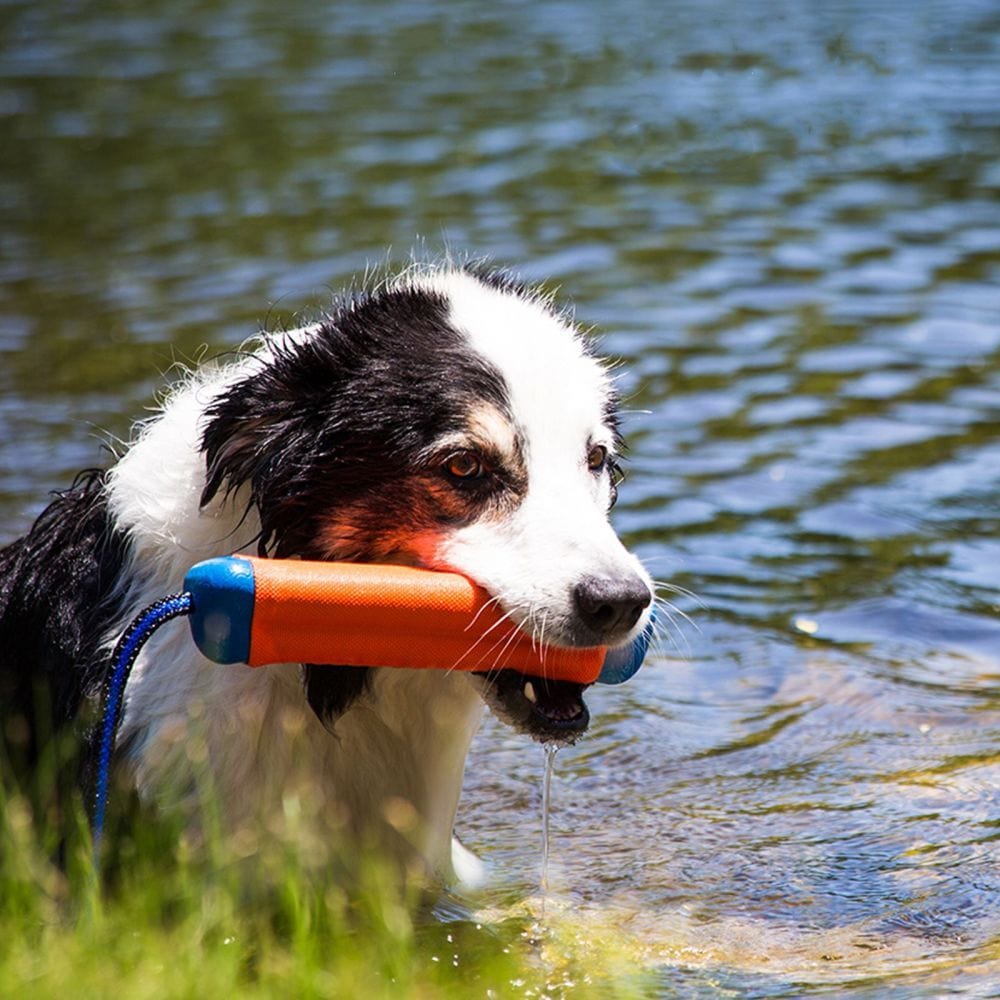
332,419
57,601
337,421
331,692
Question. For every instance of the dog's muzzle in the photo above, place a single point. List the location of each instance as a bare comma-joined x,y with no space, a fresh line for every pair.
552,711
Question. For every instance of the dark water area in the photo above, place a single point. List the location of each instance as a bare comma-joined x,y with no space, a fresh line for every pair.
785,219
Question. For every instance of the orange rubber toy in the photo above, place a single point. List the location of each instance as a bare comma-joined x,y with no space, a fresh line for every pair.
261,611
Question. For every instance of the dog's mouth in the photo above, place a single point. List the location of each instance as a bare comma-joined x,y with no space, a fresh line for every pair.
549,711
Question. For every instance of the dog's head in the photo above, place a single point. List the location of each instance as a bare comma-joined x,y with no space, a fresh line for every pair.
453,420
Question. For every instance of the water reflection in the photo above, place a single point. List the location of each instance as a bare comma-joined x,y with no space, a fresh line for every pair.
786,217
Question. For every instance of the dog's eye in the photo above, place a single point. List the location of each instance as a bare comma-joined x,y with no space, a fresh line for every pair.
465,465
597,458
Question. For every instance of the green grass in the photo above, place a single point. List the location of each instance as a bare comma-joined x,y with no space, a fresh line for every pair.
172,918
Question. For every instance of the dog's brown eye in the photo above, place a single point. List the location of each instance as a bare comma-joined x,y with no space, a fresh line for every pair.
597,458
465,465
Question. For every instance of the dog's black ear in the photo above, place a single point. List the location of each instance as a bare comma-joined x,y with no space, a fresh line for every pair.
331,690
262,434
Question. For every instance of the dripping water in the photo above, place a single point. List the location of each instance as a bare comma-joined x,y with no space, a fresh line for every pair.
551,749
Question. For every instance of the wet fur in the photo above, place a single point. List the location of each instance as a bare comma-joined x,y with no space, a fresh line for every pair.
328,443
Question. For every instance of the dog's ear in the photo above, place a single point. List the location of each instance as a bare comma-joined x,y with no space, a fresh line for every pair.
331,690
275,432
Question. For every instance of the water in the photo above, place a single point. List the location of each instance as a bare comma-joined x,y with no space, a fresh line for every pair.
550,750
785,219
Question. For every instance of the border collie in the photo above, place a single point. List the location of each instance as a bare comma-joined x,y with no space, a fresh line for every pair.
451,418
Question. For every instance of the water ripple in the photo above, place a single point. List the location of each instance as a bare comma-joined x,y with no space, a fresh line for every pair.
784,219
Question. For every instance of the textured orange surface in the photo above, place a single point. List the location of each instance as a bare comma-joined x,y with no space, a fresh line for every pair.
354,614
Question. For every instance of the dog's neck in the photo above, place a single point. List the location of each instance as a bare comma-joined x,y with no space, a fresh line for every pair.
388,775
397,758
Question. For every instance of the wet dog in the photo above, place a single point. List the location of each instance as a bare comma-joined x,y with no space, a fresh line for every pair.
451,419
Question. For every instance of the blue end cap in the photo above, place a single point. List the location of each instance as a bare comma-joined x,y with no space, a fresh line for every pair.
223,594
621,663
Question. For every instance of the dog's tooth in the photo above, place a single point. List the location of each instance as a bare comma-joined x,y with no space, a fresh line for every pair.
529,692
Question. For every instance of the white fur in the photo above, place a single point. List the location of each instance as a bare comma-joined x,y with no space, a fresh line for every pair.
251,731
561,532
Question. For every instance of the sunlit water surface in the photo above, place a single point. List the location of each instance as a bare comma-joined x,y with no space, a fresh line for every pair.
785,218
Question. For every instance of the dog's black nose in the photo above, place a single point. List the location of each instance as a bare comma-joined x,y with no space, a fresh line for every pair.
610,605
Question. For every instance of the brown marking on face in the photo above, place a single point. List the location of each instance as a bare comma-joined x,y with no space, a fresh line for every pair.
430,501
496,432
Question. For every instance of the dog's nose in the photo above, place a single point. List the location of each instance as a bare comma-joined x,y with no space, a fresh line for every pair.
610,605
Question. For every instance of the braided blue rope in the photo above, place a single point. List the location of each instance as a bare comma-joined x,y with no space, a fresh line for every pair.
126,651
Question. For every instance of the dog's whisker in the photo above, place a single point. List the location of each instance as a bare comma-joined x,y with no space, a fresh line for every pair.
674,588
507,650
541,639
537,630
671,610
666,627
492,602
506,645
505,620
531,627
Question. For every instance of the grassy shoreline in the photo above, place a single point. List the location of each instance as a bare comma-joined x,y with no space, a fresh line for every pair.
172,919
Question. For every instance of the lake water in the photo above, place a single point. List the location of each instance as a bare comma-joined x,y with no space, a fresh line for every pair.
785,218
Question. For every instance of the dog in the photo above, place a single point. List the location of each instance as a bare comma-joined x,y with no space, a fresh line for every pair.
449,418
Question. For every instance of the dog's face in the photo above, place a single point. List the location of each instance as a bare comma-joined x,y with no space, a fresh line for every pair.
452,421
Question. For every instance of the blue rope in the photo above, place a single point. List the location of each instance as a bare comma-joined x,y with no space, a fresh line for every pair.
124,657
